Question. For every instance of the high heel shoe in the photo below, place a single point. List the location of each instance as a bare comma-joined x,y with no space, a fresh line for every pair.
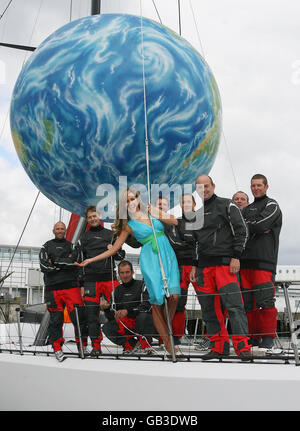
179,356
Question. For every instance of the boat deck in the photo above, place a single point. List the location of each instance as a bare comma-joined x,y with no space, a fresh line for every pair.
32,379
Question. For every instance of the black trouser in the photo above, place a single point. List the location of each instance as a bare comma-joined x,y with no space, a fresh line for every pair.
56,301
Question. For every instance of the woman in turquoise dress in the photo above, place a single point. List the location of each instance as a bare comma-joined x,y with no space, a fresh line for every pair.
133,219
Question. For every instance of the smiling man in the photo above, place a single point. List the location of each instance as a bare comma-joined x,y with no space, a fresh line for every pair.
57,257
99,278
219,245
241,199
258,263
123,312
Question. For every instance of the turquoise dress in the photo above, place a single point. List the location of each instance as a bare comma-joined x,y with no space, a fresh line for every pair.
149,261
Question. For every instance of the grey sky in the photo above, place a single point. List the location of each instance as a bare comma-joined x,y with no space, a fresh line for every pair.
253,49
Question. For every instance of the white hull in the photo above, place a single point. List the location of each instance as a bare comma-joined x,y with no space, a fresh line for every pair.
40,383
36,381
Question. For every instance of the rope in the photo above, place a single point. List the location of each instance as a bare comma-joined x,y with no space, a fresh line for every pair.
147,155
164,279
136,334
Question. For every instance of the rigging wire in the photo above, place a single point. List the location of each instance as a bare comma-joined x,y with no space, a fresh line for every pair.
71,7
29,42
230,161
223,134
164,279
5,10
147,146
196,27
34,26
6,116
24,59
157,11
4,124
179,17
24,228
145,107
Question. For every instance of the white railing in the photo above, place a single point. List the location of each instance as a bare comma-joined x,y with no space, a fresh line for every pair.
31,337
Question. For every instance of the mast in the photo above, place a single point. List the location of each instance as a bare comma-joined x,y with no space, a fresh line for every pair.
95,7
77,224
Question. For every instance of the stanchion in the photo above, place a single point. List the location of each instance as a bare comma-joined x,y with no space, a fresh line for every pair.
19,330
196,330
81,353
293,324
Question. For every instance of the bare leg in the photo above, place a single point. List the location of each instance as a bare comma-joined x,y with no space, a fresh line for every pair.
160,320
160,324
172,305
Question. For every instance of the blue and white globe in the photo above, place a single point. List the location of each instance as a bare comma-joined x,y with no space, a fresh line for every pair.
77,111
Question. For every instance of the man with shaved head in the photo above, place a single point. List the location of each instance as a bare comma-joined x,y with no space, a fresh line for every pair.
57,258
219,245
241,199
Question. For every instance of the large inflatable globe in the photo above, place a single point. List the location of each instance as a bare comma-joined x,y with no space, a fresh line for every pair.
78,110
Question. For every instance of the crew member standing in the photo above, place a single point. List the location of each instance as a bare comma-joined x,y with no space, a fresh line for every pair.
57,258
241,199
220,243
258,263
99,278
183,244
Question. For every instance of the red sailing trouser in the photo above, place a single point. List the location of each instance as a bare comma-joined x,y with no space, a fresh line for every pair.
92,294
259,297
219,290
122,332
178,321
123,324
56,301
129,343
129,322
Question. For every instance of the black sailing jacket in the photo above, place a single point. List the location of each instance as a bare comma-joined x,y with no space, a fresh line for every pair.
57,258
92,243
182,242
126,296
223,235
264,221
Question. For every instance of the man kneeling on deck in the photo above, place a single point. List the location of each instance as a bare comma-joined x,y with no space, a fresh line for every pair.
122,311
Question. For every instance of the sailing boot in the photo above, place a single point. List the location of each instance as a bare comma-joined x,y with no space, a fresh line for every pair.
59,355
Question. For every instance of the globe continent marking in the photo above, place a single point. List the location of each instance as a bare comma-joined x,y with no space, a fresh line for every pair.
77,111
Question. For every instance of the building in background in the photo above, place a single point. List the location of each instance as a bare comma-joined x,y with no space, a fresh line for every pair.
26,281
